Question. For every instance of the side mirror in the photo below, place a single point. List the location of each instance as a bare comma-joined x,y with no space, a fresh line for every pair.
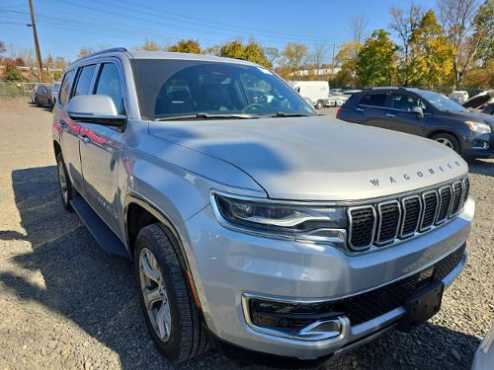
418,111
95,109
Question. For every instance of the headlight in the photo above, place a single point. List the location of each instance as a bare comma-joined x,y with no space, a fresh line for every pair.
481,128
297,222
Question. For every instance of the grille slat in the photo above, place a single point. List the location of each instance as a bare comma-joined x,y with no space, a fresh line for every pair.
382,223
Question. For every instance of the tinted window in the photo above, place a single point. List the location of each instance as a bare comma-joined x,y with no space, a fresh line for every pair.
378,100
180,87
406,102
109,84
66,85
84,80
441,102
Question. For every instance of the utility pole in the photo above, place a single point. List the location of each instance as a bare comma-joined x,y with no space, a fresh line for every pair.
36,41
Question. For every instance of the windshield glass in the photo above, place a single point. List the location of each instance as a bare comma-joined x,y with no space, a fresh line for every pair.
171,88
441,102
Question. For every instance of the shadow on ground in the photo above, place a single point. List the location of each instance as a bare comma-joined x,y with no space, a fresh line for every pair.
98,293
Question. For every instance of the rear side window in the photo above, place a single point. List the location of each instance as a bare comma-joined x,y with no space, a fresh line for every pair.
109,85
66,86
376,100
84,80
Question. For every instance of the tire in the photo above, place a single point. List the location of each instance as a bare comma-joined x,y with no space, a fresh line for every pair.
448,140
65,186
182,335
319,105
36,101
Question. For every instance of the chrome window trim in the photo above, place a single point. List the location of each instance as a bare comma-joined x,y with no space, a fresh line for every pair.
350,222
435,192
391,240
417,225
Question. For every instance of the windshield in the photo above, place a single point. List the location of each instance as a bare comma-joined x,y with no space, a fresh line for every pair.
201,90
441,102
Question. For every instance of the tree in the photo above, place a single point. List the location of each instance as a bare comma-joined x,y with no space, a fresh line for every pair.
346,58
272,55
432,64
294,54
186,46
484,32
252,52
11,73
84,52
404,25
457,18
150,45
3,48
376,60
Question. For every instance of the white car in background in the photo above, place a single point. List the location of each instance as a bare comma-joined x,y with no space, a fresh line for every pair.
459,96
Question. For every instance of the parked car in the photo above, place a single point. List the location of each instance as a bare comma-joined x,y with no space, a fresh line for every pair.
41,95
337,99
484,357
317,92
423,113
54,89
248,215
483,102
459,96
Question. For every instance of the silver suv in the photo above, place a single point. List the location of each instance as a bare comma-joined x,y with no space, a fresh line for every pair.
247,215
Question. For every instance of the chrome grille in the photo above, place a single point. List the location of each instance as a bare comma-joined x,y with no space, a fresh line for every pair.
388,221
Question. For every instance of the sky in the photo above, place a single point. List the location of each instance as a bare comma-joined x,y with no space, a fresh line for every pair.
65,26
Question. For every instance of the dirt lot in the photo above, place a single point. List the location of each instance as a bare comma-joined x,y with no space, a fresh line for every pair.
65,304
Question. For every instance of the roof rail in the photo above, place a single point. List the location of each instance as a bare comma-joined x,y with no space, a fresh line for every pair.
111,50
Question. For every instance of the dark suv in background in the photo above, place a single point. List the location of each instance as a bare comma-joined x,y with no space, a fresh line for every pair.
424,113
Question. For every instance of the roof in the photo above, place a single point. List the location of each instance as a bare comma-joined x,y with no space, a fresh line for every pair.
144,54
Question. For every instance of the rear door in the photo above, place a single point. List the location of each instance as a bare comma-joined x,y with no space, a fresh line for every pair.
72,129
374,109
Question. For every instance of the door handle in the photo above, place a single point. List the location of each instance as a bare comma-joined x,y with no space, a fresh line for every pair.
359,109
390,115
84,139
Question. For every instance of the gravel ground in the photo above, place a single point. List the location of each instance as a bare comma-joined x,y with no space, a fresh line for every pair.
65,304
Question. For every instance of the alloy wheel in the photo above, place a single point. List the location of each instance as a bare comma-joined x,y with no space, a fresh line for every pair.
155,296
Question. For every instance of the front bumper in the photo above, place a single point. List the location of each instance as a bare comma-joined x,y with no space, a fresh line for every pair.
479,146
227,266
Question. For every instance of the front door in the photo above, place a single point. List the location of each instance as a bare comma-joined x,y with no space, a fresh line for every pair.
100,151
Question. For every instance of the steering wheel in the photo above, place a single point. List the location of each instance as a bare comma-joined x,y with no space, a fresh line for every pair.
253,108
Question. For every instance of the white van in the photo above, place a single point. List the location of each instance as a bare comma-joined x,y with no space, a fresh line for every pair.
317,92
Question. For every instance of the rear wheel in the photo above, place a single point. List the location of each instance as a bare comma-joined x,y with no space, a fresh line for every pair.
171,315
448,140
64,183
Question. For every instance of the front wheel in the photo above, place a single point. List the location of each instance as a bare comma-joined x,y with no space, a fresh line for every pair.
171,315
448,140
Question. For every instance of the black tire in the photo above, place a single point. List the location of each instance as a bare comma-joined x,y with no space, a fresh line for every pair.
319,105
448,140
66,190
188,336
36,101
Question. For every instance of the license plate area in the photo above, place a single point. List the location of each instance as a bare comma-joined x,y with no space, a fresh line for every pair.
425,304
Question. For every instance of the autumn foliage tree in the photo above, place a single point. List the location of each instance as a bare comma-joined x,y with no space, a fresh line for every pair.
252,52
376,62
186,46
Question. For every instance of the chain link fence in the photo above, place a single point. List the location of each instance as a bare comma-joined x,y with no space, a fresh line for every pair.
13,89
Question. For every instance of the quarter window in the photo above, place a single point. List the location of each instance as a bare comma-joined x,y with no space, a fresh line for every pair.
109,85
66,86
84,81
377,100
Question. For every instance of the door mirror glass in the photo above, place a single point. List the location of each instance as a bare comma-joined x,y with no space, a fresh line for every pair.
418,111
95,109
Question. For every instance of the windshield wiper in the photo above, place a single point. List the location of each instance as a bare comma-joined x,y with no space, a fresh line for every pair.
200,115
288,114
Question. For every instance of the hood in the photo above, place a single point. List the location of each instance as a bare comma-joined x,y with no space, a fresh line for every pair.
319,158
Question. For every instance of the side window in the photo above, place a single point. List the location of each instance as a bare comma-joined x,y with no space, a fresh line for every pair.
405,102
376,100
109,84
84,80
66,86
